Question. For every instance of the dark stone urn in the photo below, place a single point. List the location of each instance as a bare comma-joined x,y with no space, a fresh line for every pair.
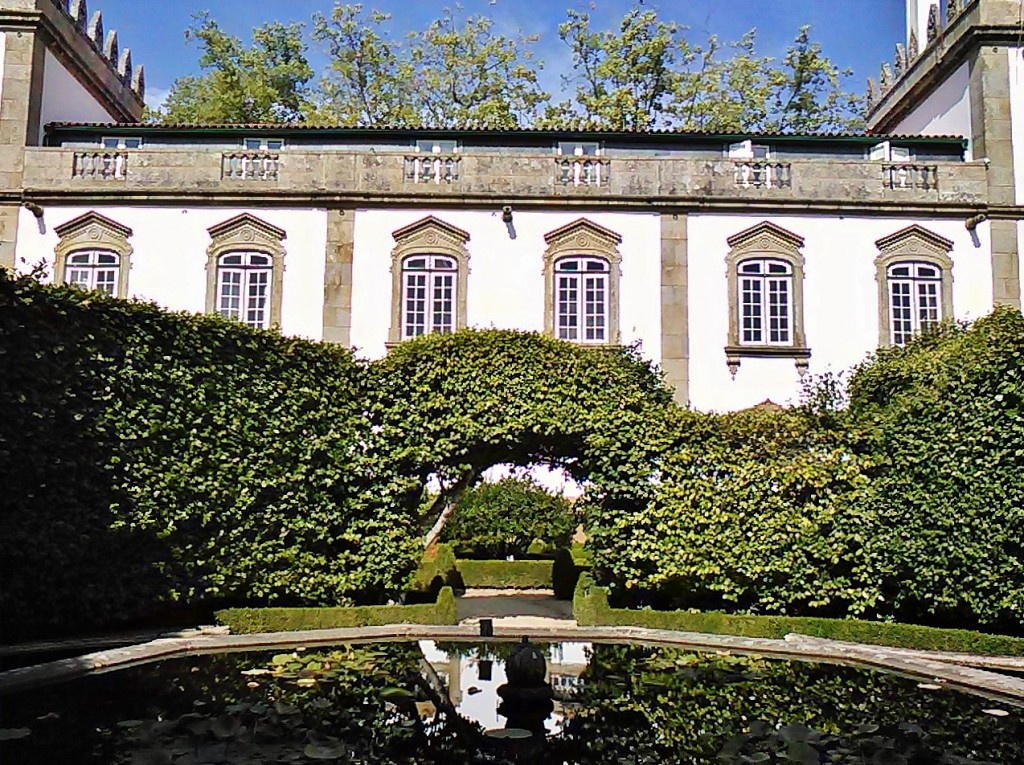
526,698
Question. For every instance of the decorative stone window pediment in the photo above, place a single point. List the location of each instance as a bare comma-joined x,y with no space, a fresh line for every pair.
912,245
93,232
428,236
772,256
246,233
583,239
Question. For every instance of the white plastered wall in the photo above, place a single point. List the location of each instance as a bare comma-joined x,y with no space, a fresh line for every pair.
506,279
169,258
65,99
947,111
840,300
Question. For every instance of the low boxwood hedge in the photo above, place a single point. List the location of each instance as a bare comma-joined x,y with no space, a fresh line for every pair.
591,608
252,620
506,574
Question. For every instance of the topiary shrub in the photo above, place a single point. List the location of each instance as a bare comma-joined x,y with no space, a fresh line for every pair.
495,520
153,461
905,505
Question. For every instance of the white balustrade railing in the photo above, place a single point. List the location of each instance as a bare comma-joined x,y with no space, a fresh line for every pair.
758,174
911,176
100,165
250,166
583,171
432,169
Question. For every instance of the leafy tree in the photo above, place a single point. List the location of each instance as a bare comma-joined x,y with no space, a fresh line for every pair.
451,74
648,75
505,517
265,82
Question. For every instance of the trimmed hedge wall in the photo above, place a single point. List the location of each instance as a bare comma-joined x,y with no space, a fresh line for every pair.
591,609
153,462
252,620
505,574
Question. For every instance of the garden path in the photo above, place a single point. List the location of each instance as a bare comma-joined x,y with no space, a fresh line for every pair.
521,608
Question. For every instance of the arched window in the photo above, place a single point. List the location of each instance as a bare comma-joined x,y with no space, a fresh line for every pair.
245,271
430,273
765,274
581,283
94,254
581,299
915,299
429,289
93,270
244,281
915,283
766,301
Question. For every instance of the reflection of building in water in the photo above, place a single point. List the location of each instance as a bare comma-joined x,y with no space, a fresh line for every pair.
471,678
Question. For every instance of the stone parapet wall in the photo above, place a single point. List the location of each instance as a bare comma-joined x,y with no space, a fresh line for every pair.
336,176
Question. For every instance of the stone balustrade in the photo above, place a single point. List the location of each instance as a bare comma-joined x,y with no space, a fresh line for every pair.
100,165
584,171
432,169
760,174
383,177
249,166
911,176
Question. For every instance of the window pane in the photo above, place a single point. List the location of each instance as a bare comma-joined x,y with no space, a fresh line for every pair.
81,258
778,311
750,303
415,305
595,308
902,326
230,294
231,260
253,144
275,145
106,280
567,307
750,267
568,265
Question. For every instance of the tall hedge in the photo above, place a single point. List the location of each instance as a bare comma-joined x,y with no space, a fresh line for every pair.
151,461
905,504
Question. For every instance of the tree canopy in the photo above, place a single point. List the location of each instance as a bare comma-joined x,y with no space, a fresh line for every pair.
460,72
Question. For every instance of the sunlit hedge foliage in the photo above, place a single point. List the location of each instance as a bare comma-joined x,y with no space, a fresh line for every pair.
907,504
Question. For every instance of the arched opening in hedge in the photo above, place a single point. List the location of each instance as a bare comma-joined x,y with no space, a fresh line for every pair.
451,406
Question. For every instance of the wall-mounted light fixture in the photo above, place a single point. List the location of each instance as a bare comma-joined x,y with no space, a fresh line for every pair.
37,211
506,218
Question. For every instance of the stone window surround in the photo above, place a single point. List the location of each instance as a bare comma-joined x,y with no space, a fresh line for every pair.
428,236
911,244
247,233
766,240
93,231
583,238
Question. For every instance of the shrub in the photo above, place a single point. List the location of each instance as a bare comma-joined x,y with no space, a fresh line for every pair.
494,520
505,575
152,461
250,620
907,505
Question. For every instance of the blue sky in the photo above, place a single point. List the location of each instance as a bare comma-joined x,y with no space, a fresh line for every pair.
859,34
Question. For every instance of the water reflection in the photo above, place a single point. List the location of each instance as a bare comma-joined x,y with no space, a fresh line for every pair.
450,703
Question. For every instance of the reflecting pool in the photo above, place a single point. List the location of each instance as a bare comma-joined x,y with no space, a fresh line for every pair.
453,703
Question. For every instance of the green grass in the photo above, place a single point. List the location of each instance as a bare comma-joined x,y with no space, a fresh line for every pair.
251,620
505,575
591,608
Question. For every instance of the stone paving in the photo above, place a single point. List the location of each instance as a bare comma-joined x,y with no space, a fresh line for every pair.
524,608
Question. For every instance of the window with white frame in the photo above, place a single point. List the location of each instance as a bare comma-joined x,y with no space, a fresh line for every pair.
243,287
885,151
122,143
438,146
765,301
915,299
749,150
429,290
93,270
581,299
578,149
262,144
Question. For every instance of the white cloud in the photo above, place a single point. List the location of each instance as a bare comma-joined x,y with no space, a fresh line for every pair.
155,97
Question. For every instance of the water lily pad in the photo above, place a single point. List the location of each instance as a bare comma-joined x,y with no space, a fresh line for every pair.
395,693
996,712
10,734
517,733
929,686
282,658
305,682
324,752
255,672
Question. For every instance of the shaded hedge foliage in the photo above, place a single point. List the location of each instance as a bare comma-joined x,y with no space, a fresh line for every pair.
906,504
494,520
153,460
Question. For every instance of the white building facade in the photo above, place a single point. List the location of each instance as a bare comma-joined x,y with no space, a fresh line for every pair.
739,263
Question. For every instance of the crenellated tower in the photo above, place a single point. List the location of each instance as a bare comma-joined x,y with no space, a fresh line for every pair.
961,72
58,63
